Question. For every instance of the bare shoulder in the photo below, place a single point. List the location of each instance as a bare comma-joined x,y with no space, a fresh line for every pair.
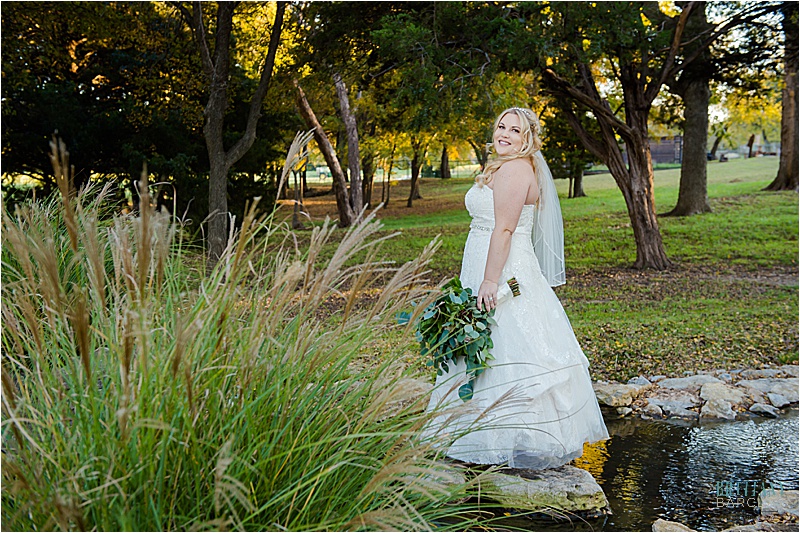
516,168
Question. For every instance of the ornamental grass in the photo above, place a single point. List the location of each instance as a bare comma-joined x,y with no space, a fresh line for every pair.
140,393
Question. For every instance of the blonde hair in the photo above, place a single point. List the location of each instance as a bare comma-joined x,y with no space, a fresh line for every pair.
530,129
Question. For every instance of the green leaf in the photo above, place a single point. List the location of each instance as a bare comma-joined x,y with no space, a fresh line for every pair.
465,392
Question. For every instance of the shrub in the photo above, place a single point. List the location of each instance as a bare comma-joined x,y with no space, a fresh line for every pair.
141,394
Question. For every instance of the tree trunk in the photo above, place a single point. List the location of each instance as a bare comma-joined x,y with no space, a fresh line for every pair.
387,187
715,146
577,182
302,192
213,130
634,179
445,165
217,208
636,184
481,153
284,193
787,178
341,152
693,189
216,67
353,154
692,87
346,216
750,142
368,169
416,165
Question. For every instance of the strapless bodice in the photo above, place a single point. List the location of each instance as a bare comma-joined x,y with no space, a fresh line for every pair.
480,204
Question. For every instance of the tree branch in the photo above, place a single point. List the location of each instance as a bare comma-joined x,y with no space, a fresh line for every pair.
222,39
654,86
257,102
346,215
195,22
735,21
597,106
596,147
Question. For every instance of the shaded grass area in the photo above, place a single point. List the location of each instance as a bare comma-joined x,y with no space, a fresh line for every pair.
730,300
632,323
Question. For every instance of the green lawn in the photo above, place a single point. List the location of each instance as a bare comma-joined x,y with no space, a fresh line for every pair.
747,227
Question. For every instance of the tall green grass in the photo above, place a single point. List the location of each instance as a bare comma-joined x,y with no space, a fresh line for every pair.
139,394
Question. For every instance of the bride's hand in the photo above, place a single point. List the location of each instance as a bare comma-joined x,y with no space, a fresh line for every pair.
487,295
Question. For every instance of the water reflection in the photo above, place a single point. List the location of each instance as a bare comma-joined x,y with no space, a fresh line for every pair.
673,470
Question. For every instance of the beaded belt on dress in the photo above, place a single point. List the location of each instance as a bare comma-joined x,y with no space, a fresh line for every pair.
518,231
481,228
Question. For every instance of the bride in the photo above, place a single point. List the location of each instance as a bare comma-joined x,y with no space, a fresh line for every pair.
534,407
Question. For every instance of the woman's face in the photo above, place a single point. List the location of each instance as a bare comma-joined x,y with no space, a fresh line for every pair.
508,135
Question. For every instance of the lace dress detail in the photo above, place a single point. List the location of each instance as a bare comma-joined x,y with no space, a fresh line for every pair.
548,408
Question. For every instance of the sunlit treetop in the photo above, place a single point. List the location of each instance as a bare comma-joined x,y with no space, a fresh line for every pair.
668,8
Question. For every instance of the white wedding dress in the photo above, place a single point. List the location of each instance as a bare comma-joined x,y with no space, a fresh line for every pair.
549,410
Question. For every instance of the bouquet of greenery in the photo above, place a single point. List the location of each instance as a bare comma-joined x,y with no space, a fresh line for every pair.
453,327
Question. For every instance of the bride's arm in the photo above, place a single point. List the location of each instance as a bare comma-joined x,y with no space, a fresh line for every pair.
511,184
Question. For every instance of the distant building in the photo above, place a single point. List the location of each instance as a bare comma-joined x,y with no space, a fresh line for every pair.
663,150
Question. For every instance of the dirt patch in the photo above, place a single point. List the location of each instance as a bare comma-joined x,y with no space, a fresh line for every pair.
323,204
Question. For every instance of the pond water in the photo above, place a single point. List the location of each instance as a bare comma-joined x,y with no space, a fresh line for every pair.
652,469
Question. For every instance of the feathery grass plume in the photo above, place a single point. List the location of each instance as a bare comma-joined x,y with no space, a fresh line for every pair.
65,179
143,236
122,257
297,152
79,316
237,398
95,252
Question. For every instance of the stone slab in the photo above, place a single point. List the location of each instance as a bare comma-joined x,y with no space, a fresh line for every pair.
675,411
682,398
688,382
565,488
721,391
718,408
615,395
755,373
787,387
652,410
764,409
666,525
774,501
778,400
